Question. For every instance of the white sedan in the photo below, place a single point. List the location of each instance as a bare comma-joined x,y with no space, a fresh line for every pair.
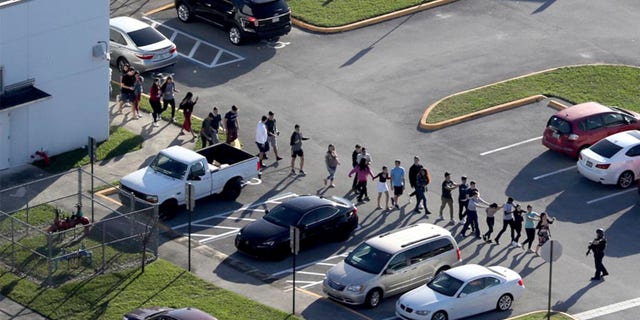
461,292
612,160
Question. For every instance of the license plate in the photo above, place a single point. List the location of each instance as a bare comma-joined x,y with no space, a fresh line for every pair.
556,135
589,164
276,19
163,56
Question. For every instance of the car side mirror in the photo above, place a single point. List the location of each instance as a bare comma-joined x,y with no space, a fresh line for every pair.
193,177
389,271
462,295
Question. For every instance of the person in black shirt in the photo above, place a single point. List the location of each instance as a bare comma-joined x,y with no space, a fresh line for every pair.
597,246
231,125
354,163
446,197
272,135
413,173
463,198
127,81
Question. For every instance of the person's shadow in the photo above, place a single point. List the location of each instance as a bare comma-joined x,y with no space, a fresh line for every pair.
564,305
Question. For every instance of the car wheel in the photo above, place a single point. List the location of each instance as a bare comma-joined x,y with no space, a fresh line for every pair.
439,315
626,179
504,303
121,63
168,209
184,13
235,35
373,298
343,234
232,189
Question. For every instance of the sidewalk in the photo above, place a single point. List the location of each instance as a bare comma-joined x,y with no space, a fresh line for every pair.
206,263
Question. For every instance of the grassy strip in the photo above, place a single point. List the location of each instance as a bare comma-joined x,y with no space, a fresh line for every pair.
608,84
332,13
542,315
120,142
112,295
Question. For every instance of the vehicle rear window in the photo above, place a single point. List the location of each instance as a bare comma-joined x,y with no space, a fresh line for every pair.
605,148
560,125
265,8
145,37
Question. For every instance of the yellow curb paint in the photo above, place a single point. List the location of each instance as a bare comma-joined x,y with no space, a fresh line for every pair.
368,22
156,10
104,194
557,105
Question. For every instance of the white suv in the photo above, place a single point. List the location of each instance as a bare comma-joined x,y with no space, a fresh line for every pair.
392,263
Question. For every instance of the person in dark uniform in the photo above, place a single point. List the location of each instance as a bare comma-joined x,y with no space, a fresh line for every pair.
354,163
597,246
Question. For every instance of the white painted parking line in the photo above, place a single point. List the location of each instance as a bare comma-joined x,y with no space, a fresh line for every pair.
510,146
554,172
307,285
310,273
289,270
602,311
219,236
215,60
611,196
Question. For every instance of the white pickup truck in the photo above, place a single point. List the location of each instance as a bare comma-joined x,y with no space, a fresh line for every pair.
218,169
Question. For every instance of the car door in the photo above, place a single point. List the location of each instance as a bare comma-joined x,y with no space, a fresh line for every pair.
614,123
219,10
471,299
593,128
200,178
632,161
396,277
318,224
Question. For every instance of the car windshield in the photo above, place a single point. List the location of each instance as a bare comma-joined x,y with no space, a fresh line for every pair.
283,216
445,284
560,125
605,148
145,36
368,259
168,166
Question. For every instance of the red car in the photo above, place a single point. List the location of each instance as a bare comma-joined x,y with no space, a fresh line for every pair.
580,126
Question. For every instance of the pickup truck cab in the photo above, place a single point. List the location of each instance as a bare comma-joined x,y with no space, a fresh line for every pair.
261,19
218,169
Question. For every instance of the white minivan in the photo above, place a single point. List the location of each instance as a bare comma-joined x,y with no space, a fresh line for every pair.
392,263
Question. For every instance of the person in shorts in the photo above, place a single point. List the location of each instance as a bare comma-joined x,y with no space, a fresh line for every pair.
296,149
397,183
261,139
273,132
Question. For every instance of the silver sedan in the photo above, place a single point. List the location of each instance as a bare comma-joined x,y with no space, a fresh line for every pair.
134,42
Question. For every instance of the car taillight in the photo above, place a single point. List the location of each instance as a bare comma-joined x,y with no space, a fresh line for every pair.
354,212
573,137
603,166
173,49
253,20
459,254
144,56
258,166
521,283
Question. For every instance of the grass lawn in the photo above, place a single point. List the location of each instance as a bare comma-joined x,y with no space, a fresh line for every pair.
608,84
542,316
112,295
332,13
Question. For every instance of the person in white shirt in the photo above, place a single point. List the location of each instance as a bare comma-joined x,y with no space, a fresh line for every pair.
261,139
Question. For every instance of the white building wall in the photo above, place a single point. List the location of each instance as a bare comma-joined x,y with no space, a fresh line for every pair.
52,41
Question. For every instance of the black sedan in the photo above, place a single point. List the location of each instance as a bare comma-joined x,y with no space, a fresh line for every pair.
165,313
316,217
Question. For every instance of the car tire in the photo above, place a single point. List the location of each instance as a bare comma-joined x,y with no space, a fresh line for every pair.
121,62
236,35
168,209
184,12
232,189
626,179
373,298
504,302
440,315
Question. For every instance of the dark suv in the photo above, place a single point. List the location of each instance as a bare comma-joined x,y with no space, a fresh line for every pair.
263,19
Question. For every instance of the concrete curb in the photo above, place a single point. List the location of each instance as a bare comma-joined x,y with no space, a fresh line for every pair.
552,311
160,9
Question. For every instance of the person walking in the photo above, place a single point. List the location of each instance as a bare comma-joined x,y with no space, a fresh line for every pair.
186,105
529,227
168,89
363,172
296,149
154,101
354,163
544,232
597,246
413,173
137,93
397,182
507,219
273,133
231,125
383,187
471,190
206,132
332,162
446,198
215,125
472,214
463,198
422,180
261,139
491,219
518,219
364,155
127,82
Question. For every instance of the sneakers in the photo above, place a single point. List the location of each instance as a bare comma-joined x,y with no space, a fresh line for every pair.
302,173
441,217
462,222
397,206
293,173
173,119
155,124
332,185
393,202
497,242
367,199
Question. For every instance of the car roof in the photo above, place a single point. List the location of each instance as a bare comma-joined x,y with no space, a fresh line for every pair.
397,240
625,138
307,202
582,110
190,314
127,24
470,271
181,154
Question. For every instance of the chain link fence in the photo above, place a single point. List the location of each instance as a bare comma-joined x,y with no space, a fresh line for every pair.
52,231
